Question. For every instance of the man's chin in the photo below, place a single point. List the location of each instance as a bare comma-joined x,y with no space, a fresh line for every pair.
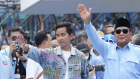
121,41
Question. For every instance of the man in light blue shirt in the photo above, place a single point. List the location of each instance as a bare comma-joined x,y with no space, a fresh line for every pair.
12,39
122,59
6,70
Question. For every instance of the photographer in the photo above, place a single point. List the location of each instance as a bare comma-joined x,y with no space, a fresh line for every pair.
83,47
15,53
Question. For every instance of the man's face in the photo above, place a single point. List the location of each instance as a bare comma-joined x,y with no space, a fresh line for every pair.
63,38
122,35
13,37
110,30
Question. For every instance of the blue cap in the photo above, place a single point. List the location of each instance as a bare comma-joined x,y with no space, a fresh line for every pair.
109,37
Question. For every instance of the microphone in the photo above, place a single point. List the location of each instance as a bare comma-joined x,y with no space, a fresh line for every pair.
97,67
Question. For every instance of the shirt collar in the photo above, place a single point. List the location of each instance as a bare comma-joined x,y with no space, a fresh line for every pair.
7,50
59,50
128,46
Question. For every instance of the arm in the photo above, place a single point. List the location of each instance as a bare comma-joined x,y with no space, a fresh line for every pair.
100,45
97,43
32,52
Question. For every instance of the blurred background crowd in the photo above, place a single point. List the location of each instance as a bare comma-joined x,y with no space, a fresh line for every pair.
10,16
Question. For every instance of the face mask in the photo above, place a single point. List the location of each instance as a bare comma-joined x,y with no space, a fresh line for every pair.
87,57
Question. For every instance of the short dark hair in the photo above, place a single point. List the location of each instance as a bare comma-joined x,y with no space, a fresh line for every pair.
13,30
82,35
67,25
40,36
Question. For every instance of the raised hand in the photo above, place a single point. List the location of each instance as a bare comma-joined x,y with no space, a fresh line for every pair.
21,41
85,15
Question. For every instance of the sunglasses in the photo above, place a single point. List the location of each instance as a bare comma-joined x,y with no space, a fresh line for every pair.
118,31
13,38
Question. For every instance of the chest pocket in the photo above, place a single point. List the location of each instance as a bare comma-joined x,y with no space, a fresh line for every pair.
77,67
132,64
112,60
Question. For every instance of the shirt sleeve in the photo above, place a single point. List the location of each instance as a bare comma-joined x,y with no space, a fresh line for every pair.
34,53
100,45
33,69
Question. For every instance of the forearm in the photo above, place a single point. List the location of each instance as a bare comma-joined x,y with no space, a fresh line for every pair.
97,43
87,21
33,53
25,48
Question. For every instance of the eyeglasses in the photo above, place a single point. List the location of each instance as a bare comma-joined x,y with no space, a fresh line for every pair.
118,31
13,38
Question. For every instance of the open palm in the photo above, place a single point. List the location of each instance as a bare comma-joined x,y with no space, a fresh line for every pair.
85,15
21,41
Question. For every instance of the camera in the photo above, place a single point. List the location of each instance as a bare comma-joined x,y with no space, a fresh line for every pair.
16,43
97,67
19,50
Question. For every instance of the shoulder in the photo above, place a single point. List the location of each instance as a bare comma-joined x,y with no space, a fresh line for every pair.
47,50
5,51
137,46
79,53
4,57
136,50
